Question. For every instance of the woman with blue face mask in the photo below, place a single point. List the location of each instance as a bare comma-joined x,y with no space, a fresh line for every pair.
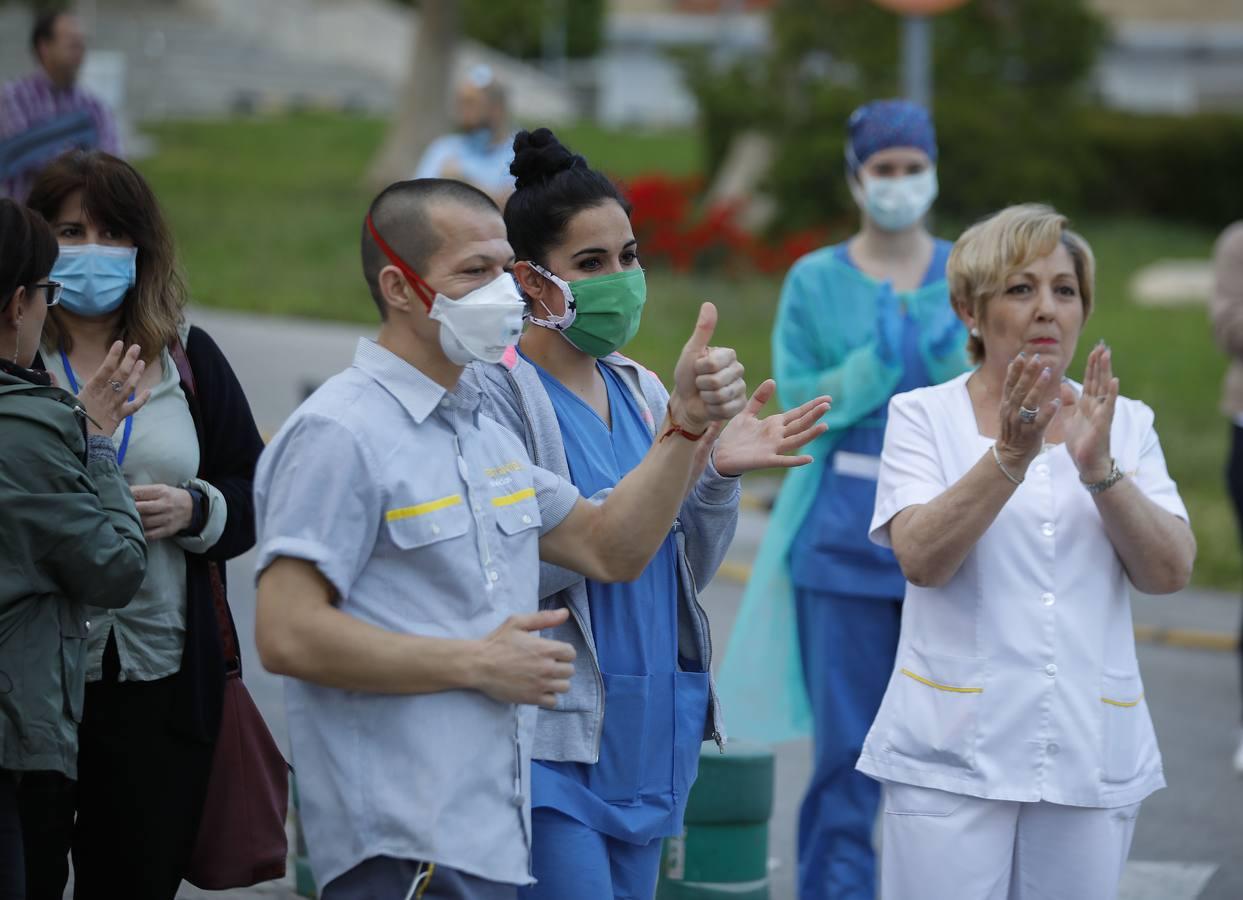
614,762
815,640
155,669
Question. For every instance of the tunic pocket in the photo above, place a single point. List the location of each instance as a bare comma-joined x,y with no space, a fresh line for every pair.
1122,710
934,710
618,775
690,709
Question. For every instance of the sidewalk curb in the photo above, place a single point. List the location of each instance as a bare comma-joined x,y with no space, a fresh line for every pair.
1187,638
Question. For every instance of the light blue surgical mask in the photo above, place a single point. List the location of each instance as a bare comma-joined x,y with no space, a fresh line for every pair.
95,278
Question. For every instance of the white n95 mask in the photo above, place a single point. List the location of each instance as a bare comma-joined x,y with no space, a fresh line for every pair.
481,325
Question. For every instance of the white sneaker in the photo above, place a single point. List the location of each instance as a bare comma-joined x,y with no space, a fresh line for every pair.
1238,756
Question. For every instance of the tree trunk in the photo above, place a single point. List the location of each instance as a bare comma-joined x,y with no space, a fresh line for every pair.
423,112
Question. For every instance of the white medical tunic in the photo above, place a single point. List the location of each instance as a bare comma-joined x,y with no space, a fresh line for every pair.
1017,680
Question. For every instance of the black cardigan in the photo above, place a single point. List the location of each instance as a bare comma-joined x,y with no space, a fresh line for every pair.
229,448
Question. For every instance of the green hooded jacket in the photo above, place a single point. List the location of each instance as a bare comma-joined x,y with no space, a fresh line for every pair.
71,539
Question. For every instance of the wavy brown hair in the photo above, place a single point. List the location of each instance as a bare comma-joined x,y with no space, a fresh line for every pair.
116,197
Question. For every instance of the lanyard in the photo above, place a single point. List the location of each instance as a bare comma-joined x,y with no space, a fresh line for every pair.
129,420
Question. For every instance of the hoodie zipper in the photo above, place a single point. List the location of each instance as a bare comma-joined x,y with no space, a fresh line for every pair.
706,630
598,726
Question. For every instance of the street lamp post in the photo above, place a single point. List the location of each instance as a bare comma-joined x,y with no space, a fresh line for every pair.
917,43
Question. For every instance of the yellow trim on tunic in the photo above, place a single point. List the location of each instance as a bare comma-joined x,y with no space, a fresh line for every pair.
941,687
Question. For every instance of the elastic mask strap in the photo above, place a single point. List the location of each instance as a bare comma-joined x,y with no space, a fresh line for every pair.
422,289
564,321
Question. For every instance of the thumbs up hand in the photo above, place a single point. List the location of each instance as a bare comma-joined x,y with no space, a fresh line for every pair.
707,382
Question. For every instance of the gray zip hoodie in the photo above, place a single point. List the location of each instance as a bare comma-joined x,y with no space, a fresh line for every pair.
514,396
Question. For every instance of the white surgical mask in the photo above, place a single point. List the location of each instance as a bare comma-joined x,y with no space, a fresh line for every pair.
483,324
896,203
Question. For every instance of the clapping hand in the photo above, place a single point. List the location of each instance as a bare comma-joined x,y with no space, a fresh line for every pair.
1029,401
750,442
1090,416
105,396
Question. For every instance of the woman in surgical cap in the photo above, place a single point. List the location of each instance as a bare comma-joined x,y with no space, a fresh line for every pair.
814,645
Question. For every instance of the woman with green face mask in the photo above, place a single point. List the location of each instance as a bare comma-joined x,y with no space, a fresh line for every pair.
614,762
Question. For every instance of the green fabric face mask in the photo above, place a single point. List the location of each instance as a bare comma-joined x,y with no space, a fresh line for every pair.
602,313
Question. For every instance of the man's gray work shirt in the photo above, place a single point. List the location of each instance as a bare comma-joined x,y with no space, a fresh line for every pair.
425,517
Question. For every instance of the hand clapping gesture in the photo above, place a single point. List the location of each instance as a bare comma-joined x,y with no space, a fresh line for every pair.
1089,417
1029,401
750,442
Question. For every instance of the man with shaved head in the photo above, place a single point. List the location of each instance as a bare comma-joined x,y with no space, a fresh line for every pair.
399,536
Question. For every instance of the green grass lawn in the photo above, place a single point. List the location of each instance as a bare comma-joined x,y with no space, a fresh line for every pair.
267,215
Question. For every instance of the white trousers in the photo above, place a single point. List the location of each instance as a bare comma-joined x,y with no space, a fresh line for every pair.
942,846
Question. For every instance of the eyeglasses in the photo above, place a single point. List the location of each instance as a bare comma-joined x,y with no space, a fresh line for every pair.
52,291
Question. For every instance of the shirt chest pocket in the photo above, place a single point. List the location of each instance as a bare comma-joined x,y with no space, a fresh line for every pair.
414,525
517,511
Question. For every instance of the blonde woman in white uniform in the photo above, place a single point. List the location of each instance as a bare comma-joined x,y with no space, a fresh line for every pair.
1014,741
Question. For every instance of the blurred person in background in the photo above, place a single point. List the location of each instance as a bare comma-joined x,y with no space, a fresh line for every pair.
1227,314
72,540
46,113
155,669
1013,742
615,760
861,320
481,149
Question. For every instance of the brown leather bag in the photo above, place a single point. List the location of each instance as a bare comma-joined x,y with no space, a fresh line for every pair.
241,838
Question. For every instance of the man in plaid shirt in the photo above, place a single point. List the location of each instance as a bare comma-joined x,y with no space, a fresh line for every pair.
46,113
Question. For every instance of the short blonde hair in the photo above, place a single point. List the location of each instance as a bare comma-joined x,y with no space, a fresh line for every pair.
993,249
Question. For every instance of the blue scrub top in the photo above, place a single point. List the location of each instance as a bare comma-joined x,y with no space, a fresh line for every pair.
831,550
653,711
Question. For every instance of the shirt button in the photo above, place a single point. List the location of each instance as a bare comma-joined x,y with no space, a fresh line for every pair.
88,624
1050,670
444,402
1042,470
526,520
1047,599
1047,529
435,529
518,800
493,576
1054,749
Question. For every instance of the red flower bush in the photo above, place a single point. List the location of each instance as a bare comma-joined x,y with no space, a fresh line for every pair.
674,229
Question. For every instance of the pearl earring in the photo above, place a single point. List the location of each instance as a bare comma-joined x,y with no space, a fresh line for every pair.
975,332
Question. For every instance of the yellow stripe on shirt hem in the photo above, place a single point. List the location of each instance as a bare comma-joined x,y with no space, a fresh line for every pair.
516,497
941,687
422,509
1122,702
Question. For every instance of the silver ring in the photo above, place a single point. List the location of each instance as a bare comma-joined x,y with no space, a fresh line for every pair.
116,386
1028,415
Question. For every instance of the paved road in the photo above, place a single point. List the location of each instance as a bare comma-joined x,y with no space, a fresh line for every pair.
1189,841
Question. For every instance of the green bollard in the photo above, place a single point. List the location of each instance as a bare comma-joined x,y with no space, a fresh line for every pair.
304,882
723,851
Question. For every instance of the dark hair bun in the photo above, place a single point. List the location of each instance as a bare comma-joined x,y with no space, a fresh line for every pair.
538,156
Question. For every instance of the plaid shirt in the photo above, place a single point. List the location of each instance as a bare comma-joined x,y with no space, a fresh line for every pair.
31,108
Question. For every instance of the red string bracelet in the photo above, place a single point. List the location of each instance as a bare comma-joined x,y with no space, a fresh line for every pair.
675,428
